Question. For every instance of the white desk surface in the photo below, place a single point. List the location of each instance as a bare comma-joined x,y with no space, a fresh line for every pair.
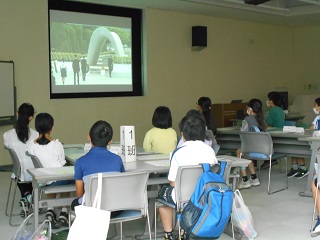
274,132
75,151
309,139
42,175
153,165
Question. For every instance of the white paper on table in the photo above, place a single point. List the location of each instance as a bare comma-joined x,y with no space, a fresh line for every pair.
152,157
162,163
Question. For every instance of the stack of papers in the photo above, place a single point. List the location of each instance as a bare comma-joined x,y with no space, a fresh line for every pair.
293,129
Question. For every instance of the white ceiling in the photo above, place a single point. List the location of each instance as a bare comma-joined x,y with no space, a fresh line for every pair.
279,12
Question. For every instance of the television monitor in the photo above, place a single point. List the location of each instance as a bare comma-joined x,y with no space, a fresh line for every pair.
95,50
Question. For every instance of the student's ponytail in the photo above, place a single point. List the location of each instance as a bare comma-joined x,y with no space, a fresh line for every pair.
43,123
25,111
205,104
256,106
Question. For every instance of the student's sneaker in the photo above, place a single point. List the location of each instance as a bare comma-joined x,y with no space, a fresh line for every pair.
63,219
302,173
51,216
292,172
184,236
266,164
255,182
316,230
243,185
169,236
23,203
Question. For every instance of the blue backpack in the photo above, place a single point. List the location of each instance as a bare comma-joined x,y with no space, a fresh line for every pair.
208,211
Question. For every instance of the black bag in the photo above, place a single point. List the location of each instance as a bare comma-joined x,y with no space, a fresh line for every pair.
166,194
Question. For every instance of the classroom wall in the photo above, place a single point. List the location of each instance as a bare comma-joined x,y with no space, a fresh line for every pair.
243,60
307,58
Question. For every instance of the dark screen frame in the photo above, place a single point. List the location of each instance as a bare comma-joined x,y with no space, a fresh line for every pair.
136,20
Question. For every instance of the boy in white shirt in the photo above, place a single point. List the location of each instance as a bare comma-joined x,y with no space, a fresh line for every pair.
193,152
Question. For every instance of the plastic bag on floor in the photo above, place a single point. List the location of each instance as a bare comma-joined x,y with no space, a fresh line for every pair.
241,216
25,230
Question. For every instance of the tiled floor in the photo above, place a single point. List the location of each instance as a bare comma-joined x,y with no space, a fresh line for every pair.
283,215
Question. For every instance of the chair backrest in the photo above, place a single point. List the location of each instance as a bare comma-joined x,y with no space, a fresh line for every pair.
211,136
216,148
35,160
256,142
16,169
120,191
186,181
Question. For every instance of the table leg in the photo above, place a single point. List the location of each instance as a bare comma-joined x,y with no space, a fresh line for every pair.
314,146
36,206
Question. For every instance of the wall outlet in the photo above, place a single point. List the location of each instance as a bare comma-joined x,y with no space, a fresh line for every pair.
314,86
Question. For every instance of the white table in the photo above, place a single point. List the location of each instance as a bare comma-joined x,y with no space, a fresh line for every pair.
154,165
315,146
291,144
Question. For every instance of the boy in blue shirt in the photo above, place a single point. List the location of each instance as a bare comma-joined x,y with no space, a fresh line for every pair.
98,160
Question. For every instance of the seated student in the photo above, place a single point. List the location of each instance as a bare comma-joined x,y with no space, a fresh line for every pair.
50,153
255,118
162,137
98,160
18,139
276,117
192,152
209,138
301,171
204,106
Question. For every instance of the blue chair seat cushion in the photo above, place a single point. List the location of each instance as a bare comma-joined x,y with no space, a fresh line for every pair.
261,156
257,155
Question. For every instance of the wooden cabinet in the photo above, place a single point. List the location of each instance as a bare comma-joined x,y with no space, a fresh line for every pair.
224,112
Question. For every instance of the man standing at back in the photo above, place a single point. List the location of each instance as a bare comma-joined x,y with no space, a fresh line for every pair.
76,69
84,68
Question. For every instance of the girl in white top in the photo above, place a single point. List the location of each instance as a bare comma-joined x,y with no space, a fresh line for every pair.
18,140
210,139
51,154
49,151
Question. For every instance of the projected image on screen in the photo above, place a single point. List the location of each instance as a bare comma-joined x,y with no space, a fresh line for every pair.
91,53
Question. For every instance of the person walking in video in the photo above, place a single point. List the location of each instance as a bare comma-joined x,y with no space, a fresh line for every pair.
110,65
76,69
84,68
63,70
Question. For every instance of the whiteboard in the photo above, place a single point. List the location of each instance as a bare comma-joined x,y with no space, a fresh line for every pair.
7,93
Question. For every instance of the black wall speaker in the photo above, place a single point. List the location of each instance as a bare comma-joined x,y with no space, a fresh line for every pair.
199,36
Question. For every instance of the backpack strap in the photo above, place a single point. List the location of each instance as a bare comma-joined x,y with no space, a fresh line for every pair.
223,165
206,167
175,152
